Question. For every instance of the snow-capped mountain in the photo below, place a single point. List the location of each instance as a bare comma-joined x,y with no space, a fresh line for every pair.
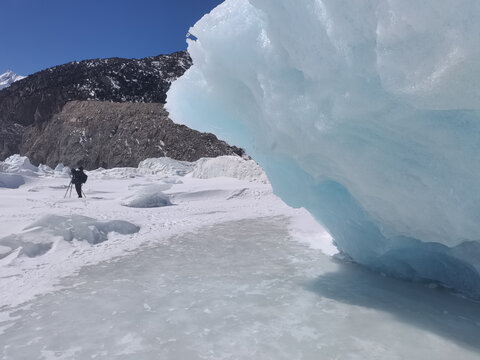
8,78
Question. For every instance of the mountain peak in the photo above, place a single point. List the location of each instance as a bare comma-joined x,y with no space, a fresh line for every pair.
8,78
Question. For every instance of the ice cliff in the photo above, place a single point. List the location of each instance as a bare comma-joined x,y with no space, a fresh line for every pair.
366,113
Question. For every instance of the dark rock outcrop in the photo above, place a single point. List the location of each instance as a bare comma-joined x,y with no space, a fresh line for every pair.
10,138
34,122
36,98
105,134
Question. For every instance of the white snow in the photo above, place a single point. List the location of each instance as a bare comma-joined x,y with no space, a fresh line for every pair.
229,166
223,273
42,211
19,165
165,166
13,169
148,197
11,181
8,78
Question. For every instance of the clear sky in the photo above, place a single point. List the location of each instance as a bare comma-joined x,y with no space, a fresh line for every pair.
37,34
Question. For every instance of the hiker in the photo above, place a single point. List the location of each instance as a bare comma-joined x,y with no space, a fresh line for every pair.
78,179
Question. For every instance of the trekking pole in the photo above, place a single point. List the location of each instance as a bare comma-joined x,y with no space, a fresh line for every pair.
68,188
83,193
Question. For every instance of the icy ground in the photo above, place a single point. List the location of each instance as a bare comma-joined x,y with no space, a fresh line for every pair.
219,268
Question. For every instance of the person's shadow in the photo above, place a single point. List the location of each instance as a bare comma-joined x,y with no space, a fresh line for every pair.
434,309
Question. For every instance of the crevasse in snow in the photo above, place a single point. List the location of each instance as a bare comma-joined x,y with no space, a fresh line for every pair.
366,113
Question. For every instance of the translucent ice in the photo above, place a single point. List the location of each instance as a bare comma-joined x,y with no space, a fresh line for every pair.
83,228
39,237
366,113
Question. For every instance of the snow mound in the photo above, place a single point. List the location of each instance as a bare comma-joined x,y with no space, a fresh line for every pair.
83,228
45,169
16,169
115,173
229,166
13,170
165,166
157,167
150,196
20,165
39,237
60,168
170,170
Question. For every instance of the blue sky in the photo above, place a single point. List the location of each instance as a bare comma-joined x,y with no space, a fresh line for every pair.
37,34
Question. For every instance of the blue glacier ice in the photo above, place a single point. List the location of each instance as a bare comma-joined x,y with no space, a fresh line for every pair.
366,113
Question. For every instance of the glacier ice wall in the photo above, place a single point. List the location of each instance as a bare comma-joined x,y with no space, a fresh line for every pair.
367,113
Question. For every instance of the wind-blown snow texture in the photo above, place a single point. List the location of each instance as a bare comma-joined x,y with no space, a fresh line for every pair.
365,113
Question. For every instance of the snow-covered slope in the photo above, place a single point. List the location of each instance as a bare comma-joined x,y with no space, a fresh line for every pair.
8,78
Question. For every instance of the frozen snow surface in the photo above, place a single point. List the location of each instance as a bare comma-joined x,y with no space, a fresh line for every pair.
240,290
45,225
228,271
366,113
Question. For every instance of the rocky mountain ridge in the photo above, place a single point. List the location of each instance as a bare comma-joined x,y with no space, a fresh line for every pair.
37,97
107,134
33,121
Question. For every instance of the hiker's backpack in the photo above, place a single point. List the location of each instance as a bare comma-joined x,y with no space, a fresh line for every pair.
83,177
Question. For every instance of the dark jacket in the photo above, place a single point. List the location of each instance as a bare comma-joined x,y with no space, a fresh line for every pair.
79,177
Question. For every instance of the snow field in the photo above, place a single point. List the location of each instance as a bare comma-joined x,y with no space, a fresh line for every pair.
45,236
240,289
215,275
